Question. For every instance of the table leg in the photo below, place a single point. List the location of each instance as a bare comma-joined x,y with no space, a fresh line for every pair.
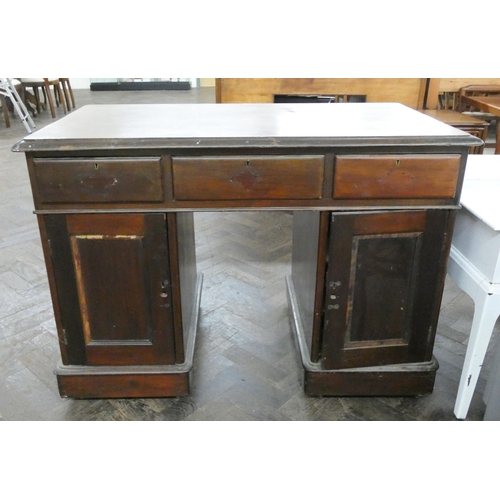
487,309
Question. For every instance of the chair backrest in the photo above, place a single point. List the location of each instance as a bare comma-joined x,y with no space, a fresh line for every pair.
442,93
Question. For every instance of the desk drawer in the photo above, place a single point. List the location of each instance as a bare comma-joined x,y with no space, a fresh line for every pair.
248,177
98,180
391,176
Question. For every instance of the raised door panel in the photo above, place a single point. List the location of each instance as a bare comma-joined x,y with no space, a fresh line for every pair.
115,293
383,287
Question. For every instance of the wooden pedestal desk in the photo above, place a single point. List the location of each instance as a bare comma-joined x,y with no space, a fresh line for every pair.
374,190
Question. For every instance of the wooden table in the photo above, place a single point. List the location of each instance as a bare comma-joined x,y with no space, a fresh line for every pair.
374,189
489,104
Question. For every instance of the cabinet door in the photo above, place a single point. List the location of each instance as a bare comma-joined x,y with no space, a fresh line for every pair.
112,281
384,282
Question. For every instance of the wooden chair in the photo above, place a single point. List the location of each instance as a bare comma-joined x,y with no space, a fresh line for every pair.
44,84
68,93
443,93
448,100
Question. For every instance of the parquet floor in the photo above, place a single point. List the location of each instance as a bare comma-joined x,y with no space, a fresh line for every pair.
246,364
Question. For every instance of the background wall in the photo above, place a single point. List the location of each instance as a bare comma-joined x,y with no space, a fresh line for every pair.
80,83
207,82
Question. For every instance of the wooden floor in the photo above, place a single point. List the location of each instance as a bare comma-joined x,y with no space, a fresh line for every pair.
246,364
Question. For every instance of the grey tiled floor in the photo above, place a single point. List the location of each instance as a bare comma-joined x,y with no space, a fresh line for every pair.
245,369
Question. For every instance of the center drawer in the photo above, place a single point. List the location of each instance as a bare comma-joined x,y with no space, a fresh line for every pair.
98,180
248,177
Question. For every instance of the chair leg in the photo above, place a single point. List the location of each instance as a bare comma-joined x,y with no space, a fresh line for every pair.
30,102
38,104
71,94
5,110
62,98
66,84
57,97
49,98
45,100
66,94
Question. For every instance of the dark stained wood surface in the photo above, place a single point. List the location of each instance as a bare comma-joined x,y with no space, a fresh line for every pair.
64,289
241,125
112,270
396,177
367,289
248,177
379,381
98,180
73,383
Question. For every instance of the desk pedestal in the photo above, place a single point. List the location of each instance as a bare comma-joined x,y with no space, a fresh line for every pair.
405,379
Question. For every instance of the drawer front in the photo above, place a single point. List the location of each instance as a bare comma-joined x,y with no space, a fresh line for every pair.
99,180
392,176
248,177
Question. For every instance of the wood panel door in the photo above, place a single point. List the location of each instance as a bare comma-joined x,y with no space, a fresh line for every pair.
384,281
113,288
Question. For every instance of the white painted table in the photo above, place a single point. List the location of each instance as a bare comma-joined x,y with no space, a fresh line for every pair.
474,264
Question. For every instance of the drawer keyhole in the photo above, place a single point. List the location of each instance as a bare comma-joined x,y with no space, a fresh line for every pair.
96,166
164,286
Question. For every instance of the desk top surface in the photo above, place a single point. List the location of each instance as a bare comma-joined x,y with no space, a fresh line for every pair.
242,125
